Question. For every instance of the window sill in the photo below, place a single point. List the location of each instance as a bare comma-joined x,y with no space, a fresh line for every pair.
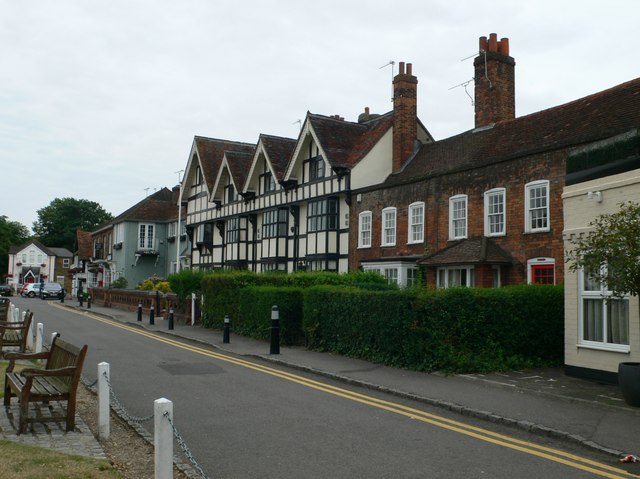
609,348
363,247
495,235
390,245
533,232
415,242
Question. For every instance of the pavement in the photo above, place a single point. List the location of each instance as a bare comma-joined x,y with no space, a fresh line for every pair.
541,401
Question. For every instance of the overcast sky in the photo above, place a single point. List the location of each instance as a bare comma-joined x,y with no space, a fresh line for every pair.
100,100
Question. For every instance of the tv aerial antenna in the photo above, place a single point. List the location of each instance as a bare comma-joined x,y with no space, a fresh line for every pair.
392,63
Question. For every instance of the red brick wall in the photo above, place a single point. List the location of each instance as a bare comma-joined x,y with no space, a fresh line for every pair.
436,191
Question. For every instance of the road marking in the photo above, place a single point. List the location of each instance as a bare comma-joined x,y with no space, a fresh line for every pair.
551,454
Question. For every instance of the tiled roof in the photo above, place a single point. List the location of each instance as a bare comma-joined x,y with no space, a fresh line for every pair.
61,252
160,206
279,151
239,165
85,244
588,119
211,151
345,143
46,250
469,251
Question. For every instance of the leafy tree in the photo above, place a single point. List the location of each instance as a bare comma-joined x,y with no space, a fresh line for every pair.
57,223
611,252
12,233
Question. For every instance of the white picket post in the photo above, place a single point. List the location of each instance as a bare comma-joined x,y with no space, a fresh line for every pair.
104,424
12,312
39,335
30,336
163,438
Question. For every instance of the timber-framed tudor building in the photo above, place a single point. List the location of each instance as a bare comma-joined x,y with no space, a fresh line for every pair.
482,208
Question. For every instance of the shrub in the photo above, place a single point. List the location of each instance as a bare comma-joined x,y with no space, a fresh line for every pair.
120,283
185,282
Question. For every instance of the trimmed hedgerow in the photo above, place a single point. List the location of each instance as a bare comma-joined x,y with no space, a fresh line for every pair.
221,290
454,330
256,304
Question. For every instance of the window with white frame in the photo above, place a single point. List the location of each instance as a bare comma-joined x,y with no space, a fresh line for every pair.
536,203
391,275
66,262
364,229
416,223
458,217
146,236
603,318
456,276
495,220
389,227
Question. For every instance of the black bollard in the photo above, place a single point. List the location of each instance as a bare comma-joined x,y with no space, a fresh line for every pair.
225,329
139,311
275,331
89,302
80,298
171,319
151,318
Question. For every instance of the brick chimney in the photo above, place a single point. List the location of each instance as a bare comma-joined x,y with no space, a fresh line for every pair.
405,116
494,82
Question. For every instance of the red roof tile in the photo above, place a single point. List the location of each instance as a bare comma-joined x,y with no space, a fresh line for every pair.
211,151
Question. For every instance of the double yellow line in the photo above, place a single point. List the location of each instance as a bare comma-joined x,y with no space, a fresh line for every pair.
550,454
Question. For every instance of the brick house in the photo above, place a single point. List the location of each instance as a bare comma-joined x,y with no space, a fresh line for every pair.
484,208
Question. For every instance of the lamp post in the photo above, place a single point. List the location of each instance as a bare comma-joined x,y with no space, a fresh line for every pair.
179,229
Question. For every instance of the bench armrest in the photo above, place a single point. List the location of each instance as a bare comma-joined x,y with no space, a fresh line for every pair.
32,372
14,355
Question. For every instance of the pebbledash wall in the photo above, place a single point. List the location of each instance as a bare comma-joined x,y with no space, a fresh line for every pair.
583,202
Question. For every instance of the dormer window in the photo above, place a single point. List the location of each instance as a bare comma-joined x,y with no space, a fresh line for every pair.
268,183
229,193
315,167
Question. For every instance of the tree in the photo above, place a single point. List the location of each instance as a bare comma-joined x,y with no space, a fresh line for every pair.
12,233
57,223
611,252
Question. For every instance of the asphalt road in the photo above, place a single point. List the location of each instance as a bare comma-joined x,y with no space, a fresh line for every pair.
248,419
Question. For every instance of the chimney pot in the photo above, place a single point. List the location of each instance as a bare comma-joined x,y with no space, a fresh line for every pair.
401,69
409,68
366,110
503,46
493,42
483,44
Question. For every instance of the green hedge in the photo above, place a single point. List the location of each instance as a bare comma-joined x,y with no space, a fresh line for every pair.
455,330
256,303
221,290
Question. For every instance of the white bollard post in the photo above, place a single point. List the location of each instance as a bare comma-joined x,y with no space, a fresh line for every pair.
193,309
31,337
39,336
12,312
16,315
53,336
163,438
104,423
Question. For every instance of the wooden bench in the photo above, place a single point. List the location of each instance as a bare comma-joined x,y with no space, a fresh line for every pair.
14,334
58,381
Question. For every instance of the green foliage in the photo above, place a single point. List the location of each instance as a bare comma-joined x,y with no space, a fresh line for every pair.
614,242
185,282
154,283
120,283
256,304
222,289
57,223
454,330
12,233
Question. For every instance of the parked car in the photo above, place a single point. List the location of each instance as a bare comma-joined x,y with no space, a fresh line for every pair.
30,290
5,290
52,290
